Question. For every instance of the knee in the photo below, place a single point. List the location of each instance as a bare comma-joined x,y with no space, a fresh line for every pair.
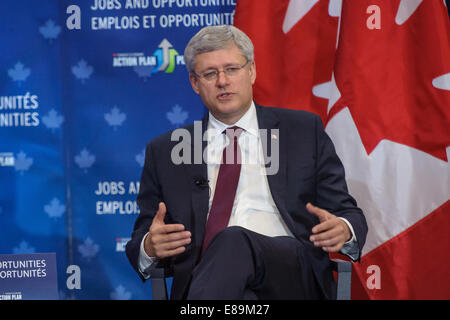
232,233
232,237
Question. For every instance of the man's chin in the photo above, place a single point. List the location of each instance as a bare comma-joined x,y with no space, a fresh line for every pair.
227,114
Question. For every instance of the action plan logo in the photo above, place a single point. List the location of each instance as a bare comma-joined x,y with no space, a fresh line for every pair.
164,59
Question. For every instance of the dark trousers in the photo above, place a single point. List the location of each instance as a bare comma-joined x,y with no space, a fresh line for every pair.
242,264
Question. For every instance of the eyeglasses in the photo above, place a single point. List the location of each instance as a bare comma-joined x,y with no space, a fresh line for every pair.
213,74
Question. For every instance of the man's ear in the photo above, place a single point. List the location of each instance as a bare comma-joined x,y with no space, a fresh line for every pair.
253,72
194,82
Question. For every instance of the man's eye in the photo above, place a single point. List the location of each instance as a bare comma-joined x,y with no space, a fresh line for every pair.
232,70
209,74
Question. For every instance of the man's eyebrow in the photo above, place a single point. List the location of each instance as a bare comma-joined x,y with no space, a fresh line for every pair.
223,66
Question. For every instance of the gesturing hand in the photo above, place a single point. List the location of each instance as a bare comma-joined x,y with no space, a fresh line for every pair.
165,240
331,233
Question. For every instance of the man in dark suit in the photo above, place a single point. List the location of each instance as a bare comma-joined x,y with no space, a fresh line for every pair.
227,227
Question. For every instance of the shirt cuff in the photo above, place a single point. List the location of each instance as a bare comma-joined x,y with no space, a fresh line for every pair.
353,238
145,262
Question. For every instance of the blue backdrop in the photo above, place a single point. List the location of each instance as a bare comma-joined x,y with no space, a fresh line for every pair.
81,94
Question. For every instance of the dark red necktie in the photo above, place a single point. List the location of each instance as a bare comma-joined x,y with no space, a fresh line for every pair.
226,185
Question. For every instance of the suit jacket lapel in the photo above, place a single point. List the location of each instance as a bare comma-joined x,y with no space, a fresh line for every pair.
267,120
197,171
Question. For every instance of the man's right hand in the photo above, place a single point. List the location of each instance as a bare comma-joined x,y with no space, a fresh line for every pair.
165,240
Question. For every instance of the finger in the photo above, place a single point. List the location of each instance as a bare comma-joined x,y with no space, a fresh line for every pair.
326,235
169,228
161,213
161,244
166,228
172,245
175,236
330,242
170,253
158,239
324,226
330,229
318,212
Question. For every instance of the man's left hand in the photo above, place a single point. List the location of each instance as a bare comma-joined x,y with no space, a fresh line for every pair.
331,233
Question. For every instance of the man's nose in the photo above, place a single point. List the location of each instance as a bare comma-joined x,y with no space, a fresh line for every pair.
222,79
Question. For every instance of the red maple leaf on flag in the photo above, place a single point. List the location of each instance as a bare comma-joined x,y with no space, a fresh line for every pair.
394,97
290,64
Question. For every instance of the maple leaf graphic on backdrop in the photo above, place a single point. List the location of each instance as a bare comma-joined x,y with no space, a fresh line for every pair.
177,116
53,120
50,30
120,293
19,73
23,248
85,160
115,118
82,70
88,249
140,158
144,71
55,209
22,163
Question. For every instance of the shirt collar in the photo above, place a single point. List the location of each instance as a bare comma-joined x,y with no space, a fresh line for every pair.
248,122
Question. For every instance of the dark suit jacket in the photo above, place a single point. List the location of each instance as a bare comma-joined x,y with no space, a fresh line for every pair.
309,171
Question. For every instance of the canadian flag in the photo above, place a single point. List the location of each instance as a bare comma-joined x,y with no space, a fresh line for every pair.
378,73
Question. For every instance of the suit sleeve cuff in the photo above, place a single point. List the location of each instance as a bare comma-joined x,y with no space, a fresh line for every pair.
350,248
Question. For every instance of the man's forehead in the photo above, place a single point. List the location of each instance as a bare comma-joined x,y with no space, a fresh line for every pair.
225,56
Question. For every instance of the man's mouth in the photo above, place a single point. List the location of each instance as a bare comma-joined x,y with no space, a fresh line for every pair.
224,96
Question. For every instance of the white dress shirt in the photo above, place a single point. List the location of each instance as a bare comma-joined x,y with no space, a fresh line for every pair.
253,206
